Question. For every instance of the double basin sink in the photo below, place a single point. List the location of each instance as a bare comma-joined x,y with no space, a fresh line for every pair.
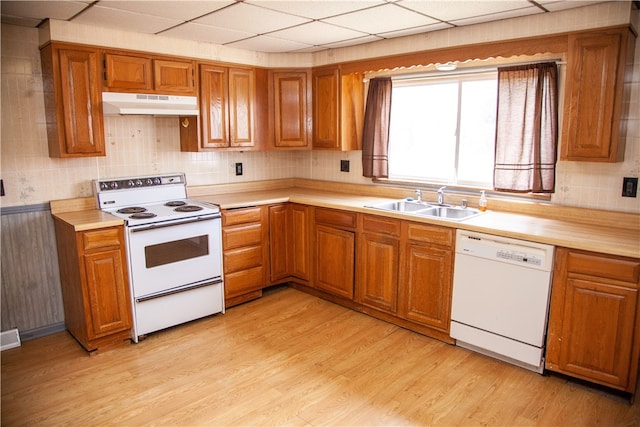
426,209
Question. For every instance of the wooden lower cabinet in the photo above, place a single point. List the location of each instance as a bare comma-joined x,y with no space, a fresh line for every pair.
426,275
245,253
334,250
289,242
594,327
95,286
378,255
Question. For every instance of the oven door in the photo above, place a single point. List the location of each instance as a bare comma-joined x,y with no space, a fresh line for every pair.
169,255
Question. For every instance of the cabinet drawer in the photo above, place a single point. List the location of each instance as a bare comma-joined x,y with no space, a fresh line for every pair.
242,259
625,269
242,282
335,217
100,238
378,224
244,235
241,216
430,234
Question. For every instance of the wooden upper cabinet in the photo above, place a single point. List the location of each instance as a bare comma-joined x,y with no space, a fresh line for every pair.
73,101
338,109
594,105
147,74
291,93
128,72
227,99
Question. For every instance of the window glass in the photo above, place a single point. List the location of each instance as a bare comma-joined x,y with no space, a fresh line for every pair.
443,129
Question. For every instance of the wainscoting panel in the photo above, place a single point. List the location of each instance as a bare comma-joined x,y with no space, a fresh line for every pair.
31,293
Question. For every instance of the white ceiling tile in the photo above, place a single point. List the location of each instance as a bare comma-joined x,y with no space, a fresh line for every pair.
353,42
22,22
498,16
316,9
449,10
124,20
42,9
269,44
184,10
206,33
381,19
246,17
416,30
317,33
554,5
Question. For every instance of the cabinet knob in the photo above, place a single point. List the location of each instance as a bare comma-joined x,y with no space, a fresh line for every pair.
185,122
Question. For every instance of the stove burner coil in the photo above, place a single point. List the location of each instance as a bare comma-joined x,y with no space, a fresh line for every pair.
132,210
188,208
143,215
174,203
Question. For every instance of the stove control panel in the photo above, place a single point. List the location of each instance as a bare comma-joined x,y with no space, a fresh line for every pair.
139,182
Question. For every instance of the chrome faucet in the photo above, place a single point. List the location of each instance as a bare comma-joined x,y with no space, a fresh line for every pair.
441,195
419,195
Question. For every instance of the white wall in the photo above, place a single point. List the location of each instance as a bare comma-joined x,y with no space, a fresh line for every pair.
148,145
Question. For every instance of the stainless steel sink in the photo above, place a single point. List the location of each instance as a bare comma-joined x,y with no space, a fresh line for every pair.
448,212
401,206
451,212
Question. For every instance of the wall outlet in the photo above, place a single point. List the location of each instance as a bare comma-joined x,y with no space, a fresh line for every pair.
238,169
344,165
629,187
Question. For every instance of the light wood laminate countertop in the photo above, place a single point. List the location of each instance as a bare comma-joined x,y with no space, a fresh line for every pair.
575,235
596,238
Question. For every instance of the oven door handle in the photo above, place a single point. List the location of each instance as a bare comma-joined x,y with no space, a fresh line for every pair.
155,226
178,290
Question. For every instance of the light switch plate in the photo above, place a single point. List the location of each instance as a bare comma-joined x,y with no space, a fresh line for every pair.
344,165
238,169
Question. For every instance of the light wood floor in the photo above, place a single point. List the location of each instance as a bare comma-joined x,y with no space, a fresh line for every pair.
288,359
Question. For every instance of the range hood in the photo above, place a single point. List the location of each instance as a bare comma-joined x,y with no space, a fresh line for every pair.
114,103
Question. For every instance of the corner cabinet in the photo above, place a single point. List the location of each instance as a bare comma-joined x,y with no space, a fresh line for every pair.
594,323
95,286
226,120
289,243
73,100
597,95
245,253
338,109
291,108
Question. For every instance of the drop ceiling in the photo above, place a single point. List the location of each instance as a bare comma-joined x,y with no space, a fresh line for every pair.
278,25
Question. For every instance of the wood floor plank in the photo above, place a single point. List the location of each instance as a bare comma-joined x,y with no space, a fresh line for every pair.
288,359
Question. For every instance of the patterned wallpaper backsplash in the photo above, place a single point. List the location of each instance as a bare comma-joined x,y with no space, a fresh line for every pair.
147,145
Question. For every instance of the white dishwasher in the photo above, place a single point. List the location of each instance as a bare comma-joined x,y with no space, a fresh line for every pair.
501,289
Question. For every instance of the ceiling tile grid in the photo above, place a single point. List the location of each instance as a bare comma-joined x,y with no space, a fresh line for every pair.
278,26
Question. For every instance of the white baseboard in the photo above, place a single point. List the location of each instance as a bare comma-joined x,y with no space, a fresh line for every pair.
9,339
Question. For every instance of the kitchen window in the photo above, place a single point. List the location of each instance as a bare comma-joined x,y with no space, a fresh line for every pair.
442,129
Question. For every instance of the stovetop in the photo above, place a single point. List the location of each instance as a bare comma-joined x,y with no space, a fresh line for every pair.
149,199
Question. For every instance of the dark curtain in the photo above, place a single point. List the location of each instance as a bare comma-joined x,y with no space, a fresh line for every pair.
375,137
526,128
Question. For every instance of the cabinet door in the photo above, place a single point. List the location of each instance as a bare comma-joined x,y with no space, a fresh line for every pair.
173,76
241,96
593,98
326,122
214,106
291,115
279,241
77,129
426,286
108,299
335,257
299,242
128,73
597,332
378,260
